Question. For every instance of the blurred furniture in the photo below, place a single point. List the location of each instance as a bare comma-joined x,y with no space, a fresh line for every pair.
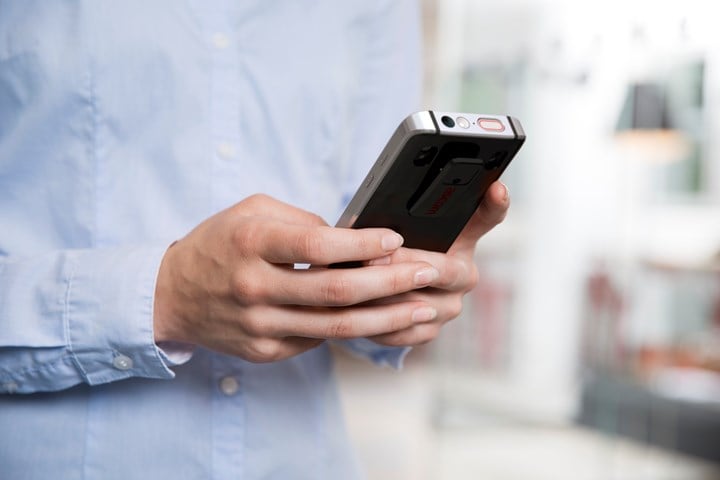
651,356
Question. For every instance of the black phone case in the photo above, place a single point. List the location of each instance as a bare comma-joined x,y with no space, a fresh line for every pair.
436,184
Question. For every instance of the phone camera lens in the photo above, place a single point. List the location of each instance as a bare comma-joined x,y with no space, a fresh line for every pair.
463,122
449,122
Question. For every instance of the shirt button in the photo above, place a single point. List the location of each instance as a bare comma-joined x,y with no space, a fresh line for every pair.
226,150
220,40
229,386
122,362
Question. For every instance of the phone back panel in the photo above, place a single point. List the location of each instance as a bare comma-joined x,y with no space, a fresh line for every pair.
435,184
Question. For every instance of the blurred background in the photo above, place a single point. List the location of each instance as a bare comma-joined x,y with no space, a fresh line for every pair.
591,347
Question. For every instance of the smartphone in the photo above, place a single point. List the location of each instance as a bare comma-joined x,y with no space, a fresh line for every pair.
432,175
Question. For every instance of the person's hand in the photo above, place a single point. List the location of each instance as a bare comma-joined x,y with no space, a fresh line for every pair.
458,273
230,285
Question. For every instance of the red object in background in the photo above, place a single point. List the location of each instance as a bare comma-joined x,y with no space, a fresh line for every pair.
491,300
715,320
605,322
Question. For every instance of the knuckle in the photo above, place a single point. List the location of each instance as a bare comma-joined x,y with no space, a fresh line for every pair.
464,276
263,350
239,289
339,329
310,245
336,292
254,326
316,219
363,244
248,234
395,283
399,323
256,199
247,291
249,204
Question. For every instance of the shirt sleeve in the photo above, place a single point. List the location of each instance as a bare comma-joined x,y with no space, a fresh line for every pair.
79,316
387,89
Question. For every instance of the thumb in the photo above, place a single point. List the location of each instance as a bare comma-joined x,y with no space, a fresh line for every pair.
491,212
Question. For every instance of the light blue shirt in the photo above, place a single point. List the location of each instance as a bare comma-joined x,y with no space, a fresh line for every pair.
123,124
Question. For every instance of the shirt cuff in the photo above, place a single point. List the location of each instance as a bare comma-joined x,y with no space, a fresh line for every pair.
384,356
176,353
109,314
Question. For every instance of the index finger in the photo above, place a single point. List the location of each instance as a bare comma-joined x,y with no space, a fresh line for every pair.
320,245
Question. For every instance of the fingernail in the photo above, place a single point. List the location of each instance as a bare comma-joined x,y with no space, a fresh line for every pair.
380,261
424,314
391,242
426,276
506,192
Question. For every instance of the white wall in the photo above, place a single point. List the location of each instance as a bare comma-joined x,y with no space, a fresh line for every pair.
582,198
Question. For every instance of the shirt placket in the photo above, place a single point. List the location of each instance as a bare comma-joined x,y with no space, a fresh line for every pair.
222,38
220,34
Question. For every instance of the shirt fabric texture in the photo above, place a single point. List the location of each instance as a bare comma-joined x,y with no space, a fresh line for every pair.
122,126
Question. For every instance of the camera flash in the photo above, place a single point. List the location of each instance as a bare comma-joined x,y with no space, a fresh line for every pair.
490,124
462,122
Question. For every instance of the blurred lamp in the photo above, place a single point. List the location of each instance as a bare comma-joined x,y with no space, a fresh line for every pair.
646,128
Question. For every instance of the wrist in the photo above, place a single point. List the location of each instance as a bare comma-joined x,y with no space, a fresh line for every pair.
163,317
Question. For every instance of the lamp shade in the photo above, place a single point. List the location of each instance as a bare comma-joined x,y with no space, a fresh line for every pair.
645,108
646,128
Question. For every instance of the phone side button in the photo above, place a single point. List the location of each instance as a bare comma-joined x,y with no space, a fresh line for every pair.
369,181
